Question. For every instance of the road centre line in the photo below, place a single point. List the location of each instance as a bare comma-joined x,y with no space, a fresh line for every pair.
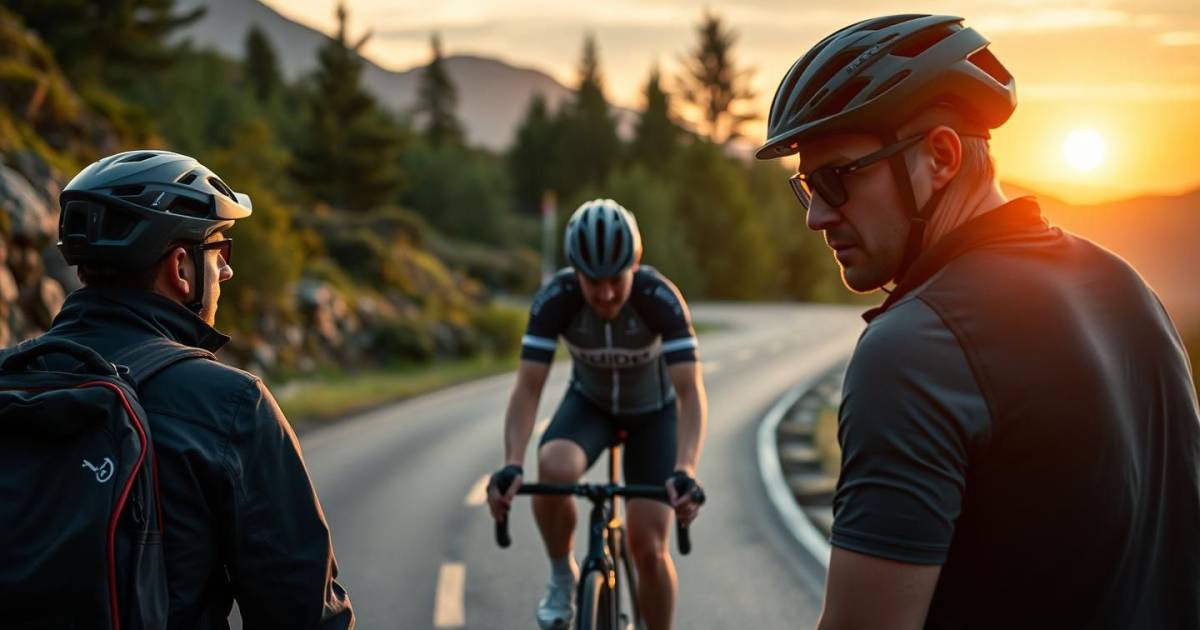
448,610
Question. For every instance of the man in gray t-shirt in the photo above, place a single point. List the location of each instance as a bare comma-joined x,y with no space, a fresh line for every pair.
1019,430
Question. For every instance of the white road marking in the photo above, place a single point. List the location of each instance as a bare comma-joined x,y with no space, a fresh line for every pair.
477,495
711,366
541,427
448,609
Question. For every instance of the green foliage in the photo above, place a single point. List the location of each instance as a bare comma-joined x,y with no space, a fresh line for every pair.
262,65
347,158
437,98
657,134
268,258
533,159
463,193
404,339
589,133
110,43
731,245
516,271
500,328
713,83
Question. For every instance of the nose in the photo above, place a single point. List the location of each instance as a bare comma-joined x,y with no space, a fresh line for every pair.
226,273
607,291
821,216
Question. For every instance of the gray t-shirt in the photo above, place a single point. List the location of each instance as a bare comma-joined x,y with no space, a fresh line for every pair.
911,413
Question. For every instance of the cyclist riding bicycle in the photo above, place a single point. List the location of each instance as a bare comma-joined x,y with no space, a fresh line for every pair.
635,373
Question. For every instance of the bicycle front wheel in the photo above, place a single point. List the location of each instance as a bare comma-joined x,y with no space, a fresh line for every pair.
595,608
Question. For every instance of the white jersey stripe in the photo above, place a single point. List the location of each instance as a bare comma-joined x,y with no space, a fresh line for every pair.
541,343
679,344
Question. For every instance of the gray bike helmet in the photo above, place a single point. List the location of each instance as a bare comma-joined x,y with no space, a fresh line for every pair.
876,75
602,239
125,211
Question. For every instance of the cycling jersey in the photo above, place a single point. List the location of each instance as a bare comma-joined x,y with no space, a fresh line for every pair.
1020,411
619,364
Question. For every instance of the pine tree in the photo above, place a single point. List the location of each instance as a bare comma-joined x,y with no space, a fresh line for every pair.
437,99
657,135
712,82
590,131
531,162
347,158
110,43
262,65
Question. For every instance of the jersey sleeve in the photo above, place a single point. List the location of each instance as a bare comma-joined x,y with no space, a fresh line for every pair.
551,312
911,412
662,307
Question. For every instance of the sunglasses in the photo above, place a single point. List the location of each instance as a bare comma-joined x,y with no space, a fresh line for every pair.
224,247
827,180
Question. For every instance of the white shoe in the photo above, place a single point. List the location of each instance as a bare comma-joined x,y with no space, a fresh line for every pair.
556,610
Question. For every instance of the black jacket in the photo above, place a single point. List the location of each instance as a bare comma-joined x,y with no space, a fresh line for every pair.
242,520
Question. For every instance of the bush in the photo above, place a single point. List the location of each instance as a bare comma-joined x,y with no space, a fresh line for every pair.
501,328
404,340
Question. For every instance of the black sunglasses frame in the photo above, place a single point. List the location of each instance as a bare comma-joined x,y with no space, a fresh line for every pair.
224,247
827,180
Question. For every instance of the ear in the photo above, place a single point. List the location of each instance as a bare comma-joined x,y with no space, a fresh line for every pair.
174,279
945,155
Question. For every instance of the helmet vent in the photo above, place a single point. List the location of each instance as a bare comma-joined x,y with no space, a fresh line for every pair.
127,191
618,242
889,84
986,61
136,158
116,225
187,207
827,71
584,253
923,40
837,101
220,185
188,179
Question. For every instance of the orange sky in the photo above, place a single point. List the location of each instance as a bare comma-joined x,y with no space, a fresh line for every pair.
1128,69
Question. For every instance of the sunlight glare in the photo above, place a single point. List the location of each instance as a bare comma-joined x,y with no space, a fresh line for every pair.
1084,149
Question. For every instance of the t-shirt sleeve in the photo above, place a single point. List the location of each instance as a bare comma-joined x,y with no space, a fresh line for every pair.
549,315
911,413
662,307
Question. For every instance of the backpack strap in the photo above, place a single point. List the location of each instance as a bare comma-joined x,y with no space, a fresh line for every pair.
147,360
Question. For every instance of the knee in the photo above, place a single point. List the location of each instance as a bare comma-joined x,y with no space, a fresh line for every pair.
560,462
647,549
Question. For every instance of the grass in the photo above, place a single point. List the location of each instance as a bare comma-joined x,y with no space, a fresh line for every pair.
825,439
328,397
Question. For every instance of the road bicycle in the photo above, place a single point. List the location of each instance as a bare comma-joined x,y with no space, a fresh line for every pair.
598,595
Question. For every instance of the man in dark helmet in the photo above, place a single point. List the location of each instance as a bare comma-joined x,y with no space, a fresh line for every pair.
635,371
1018,426
147,230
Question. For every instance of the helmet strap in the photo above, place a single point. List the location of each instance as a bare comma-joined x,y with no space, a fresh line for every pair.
918,216
196,304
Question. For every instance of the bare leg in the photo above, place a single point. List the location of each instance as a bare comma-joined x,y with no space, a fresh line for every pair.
649,522
559,461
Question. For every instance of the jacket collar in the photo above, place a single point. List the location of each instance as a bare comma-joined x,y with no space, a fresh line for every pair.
1019,218
136,311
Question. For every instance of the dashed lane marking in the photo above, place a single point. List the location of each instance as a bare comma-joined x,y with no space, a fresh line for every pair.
448,609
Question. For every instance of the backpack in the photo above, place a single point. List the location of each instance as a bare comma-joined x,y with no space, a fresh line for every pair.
81,540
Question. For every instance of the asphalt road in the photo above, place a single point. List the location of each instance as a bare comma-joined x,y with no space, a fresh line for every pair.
416,549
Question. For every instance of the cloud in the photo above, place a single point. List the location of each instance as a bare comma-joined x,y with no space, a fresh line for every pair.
1179,38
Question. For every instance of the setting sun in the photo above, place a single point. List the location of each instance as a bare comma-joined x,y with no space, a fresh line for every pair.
1084,149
